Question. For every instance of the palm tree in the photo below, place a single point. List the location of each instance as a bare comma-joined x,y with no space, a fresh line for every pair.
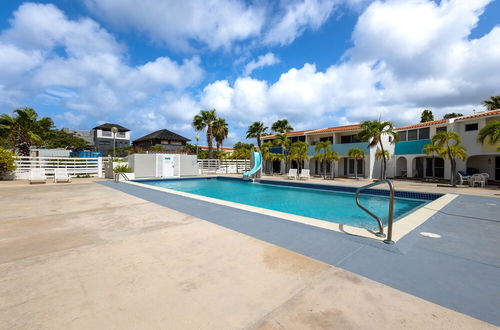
256,130
265,150
374,131
426,116
283,141
450,148
24,129
205,119
332,157
298,152
493,103
220,131
281,126
379,154
357,154
320,156
433,150
490,133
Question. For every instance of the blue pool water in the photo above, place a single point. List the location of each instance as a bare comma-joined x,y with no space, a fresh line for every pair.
333,206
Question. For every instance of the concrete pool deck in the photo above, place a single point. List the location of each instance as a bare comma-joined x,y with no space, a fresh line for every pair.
87,255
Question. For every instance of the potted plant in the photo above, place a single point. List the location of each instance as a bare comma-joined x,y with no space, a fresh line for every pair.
124,169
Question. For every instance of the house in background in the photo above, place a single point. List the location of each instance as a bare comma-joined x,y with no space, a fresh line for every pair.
103,137
168,140
85,135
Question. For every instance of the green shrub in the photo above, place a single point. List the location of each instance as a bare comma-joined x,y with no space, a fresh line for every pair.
122,169
7,162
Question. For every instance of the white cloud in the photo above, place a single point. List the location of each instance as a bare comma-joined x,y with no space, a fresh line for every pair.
181,24
78,65
298,16
262,61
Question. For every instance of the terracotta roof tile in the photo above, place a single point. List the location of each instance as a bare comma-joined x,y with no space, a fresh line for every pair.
442,121
335,129
428,123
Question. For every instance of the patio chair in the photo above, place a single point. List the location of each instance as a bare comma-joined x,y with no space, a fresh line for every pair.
292,173
37,175
463,177
477,179
305,174
61,175
486,177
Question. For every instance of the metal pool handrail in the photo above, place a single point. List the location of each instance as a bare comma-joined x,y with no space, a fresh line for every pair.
117,176
380,233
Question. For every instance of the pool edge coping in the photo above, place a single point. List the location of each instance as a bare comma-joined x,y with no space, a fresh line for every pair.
400,228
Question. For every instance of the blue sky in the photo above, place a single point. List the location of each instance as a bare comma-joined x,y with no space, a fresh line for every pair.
154,64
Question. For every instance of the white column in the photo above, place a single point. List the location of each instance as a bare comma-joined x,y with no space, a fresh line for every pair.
99,167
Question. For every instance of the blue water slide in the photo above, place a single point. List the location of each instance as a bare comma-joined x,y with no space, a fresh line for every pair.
257,164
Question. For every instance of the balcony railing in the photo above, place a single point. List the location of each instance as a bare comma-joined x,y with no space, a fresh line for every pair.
343,148
411,147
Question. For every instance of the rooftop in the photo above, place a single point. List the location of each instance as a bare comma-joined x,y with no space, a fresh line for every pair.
162,134
444,121
108,126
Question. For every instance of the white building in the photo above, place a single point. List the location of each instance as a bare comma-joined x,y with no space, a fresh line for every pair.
407,156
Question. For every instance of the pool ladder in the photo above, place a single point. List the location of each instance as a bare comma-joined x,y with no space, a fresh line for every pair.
380,233
123,175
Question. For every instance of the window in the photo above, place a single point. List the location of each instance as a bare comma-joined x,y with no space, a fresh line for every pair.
106,133
412,135
471,127
104,143
441,129
327,138
345,139
349,139
423,133
402,136
120,134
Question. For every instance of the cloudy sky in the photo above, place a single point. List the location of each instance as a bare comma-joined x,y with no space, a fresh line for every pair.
151,64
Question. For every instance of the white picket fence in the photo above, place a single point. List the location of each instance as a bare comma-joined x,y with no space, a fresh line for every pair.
224,166
75,166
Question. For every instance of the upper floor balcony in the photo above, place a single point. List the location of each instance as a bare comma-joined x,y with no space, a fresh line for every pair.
415,147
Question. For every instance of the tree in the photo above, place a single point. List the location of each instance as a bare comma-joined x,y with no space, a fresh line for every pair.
379,154
426,116
448,144
452,115
205,119
256,130
242,150
433,150
156,148
265,150
357,154
493,103
220,131
373,131
284,142
56,138
24,129
490,133
332,157
321,148
281,126
7,162
298,152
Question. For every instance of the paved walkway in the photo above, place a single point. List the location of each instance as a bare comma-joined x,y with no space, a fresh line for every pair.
85,255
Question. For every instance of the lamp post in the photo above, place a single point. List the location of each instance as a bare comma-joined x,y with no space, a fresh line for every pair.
114,130
197,137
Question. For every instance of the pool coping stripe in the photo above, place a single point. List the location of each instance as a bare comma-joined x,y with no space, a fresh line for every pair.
400,228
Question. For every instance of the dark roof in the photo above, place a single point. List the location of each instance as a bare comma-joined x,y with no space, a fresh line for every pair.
108,126
163,134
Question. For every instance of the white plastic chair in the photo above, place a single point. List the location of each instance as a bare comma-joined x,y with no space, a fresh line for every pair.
292,173
61,175
486,177
37,175
463,179
304,174
478,179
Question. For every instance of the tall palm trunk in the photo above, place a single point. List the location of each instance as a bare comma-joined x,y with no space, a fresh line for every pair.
383,159
209,141
258,141
355,168
433,167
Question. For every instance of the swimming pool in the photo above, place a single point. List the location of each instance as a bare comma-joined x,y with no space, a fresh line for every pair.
329,205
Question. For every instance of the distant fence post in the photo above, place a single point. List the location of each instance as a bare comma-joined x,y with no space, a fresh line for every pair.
99,167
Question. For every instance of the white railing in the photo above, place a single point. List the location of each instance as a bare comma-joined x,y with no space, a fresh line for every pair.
75,166
224,166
